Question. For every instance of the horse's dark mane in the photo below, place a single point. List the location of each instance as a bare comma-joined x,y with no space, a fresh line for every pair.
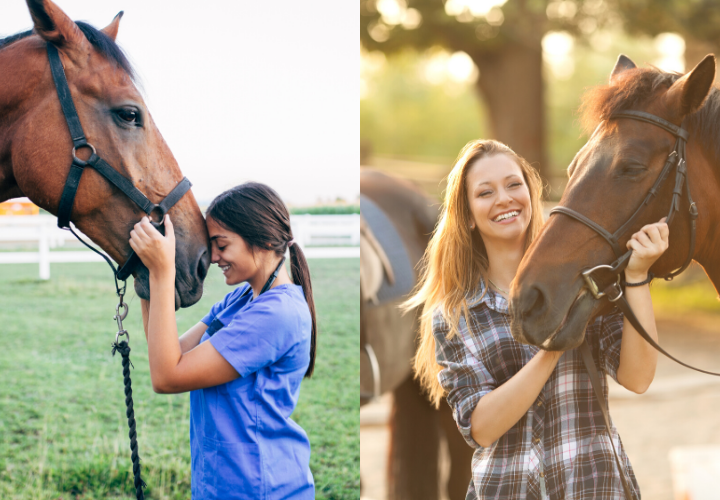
636,89
14,38
102,43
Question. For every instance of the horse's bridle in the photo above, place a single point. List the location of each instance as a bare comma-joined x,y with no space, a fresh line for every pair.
675,159
101,166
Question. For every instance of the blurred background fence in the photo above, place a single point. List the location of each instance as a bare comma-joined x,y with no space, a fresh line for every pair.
28,237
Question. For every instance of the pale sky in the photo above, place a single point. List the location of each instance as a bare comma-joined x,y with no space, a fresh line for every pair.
243,90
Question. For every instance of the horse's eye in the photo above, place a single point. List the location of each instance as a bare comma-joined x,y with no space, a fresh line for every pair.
129,115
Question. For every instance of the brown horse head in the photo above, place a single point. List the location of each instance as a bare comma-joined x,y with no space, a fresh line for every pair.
609,179
36,147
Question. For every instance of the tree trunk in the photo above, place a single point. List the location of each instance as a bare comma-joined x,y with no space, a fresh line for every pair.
512,87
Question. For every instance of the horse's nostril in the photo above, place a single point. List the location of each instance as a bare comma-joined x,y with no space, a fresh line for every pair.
533,302
203,264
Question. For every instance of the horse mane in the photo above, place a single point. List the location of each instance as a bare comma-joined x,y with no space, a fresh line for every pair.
99,40
636,89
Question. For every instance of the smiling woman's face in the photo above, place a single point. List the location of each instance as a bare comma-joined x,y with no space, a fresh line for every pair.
232,254
498,199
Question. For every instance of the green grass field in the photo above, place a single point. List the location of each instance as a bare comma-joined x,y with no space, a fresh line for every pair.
63,431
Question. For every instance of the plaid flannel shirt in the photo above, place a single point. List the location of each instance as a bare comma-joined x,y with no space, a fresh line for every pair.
560,448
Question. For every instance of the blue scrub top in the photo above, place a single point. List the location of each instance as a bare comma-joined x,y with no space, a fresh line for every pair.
243,443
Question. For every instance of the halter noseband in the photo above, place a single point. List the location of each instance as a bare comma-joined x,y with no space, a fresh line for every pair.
675,158
101,166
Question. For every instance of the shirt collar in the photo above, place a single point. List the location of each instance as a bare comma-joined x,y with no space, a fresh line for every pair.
491,299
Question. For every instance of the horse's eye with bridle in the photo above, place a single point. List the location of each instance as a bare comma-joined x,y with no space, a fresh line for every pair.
129,116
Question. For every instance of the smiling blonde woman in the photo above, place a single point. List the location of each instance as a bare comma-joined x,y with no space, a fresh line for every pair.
529,413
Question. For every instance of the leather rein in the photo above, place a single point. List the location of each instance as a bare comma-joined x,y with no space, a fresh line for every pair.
103,168
614,290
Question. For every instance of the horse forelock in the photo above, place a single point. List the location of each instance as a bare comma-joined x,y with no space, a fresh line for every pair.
635,89
105,45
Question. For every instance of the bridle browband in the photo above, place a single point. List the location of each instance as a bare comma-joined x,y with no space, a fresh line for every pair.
614,291
102,167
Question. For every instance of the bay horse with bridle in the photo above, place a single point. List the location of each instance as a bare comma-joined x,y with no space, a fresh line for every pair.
77,139
654,153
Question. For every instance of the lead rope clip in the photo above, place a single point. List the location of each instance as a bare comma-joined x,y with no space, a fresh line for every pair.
119,318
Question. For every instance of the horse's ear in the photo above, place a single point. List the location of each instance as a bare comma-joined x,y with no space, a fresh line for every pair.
111,29
688,93
53,25
623,64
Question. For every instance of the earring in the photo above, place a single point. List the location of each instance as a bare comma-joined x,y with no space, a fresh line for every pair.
472,226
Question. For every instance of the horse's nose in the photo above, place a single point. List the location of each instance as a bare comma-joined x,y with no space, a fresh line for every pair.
203,264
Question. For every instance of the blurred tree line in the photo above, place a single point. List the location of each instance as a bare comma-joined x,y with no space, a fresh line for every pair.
516,98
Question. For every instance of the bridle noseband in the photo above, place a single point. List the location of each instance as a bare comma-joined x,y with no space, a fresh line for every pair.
675,159
102,167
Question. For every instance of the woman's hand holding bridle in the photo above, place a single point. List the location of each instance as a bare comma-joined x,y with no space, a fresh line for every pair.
647,245
156,251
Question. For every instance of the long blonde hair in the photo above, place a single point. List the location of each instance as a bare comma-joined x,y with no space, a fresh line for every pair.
456,259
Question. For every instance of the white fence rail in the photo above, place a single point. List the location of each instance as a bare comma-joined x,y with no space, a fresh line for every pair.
41,232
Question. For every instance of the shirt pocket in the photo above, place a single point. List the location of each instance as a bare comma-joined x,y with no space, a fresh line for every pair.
231,470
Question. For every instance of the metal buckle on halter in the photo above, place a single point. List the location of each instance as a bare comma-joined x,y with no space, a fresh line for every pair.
595,290
119,318
77,160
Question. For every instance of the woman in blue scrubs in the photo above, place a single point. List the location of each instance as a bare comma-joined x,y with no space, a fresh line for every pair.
244,362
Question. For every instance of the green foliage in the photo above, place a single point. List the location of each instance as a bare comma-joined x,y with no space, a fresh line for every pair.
692,292
63,430
326,210
405,115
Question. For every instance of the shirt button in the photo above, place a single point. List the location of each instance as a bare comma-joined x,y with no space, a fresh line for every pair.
542,474
539,403
536,440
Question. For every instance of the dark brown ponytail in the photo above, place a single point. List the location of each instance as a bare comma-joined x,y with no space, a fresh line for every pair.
256,213
301,276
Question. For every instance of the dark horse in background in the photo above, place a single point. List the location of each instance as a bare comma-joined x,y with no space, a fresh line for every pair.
609,178
416,427
36,147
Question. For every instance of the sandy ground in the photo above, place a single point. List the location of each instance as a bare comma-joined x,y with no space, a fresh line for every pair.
681,409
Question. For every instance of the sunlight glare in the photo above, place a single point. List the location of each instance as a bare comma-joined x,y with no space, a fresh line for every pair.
477,8
457,68
391,11
461,68
671,51
557,52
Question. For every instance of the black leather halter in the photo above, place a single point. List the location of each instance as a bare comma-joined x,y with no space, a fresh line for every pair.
675,159
101,166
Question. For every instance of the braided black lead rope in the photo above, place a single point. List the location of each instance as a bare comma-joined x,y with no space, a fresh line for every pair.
124,350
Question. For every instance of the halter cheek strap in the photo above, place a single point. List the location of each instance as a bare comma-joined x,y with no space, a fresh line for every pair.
95,162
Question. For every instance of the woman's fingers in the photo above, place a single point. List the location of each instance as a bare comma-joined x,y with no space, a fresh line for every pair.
653,233
169,229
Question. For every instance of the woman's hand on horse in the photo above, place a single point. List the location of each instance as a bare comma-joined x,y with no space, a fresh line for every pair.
647,245
156,251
